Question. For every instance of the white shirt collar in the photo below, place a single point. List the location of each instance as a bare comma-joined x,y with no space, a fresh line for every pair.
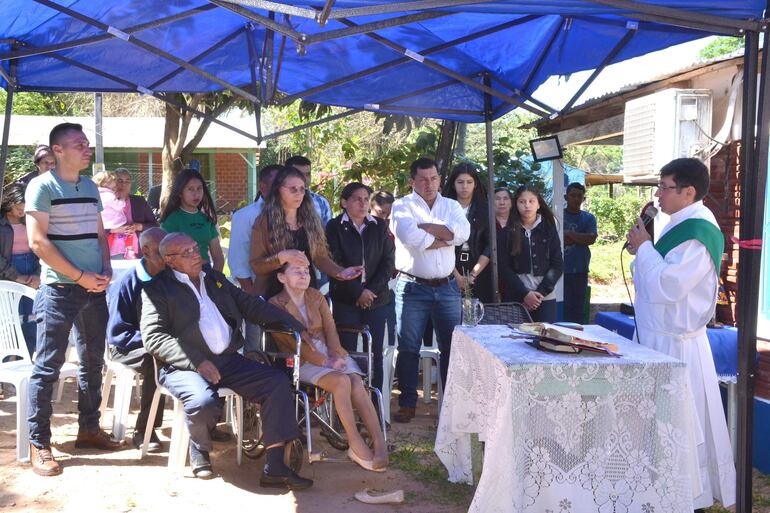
186,279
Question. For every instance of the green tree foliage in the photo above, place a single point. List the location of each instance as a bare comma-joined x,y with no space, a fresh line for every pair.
614,215
598,159
50,104
721,46
19,163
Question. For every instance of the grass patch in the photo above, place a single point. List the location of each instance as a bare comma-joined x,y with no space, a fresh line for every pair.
605,262
414,455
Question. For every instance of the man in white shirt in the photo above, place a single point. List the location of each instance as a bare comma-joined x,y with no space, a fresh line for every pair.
191,324
426,227
676,282
240,246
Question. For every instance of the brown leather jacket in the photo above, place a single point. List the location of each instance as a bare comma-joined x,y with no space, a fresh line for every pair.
321,326
263,263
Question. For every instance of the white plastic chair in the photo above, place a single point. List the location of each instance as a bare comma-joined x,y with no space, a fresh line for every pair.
18,372
180,435
126,379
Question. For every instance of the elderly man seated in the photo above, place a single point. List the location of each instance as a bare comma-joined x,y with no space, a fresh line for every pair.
191,322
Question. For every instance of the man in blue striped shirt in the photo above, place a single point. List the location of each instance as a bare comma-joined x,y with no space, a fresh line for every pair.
65,230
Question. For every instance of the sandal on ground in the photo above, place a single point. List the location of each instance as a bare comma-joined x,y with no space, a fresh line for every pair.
370,496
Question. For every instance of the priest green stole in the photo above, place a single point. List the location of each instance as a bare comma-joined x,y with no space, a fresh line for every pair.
698,229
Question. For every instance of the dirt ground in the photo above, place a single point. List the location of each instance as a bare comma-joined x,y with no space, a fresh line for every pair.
98,481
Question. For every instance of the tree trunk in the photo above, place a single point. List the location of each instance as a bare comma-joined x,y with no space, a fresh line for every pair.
445,144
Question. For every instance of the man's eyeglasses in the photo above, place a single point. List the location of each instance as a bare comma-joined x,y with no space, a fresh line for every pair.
664,187
187,253
294,189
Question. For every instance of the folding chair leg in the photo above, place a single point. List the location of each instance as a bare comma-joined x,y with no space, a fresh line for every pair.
22,428
123,386
150,422
426,379
239,422
59,390
106,384
180,440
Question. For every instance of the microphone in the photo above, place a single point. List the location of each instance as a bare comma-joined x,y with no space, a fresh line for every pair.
648,214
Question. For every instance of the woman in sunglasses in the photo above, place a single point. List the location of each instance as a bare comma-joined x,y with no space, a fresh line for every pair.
289,231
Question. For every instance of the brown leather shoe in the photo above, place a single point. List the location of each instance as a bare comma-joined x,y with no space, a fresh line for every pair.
43,462
98,440
404,414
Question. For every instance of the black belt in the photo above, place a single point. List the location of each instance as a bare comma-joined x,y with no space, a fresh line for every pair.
431,282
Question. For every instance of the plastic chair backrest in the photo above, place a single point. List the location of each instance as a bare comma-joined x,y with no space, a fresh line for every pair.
11,337
505,313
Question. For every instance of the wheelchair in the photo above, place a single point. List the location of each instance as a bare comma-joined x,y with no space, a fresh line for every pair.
314,406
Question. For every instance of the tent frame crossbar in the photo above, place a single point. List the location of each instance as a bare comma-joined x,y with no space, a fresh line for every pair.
149,48
403,60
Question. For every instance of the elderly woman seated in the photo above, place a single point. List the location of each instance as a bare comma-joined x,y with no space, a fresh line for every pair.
327,365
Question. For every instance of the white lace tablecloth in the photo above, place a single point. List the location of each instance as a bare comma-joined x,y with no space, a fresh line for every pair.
568,433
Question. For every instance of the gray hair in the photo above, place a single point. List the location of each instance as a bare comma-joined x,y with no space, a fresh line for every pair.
150,236
170,241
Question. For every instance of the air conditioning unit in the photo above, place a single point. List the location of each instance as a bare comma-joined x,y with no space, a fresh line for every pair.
660,127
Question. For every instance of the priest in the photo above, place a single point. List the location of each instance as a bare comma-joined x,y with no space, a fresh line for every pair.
676,282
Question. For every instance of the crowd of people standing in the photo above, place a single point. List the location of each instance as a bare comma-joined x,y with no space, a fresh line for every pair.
398,266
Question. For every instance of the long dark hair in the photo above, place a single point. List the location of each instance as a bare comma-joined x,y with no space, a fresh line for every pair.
464,168
279,237
13,194
174,202
543,209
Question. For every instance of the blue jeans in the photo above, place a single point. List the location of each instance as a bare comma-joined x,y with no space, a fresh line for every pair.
253,381
375,319
415,304
26,263
57,308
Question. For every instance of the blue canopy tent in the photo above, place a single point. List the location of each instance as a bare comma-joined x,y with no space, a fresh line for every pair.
464,60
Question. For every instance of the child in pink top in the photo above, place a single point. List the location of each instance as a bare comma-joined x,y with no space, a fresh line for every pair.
113,213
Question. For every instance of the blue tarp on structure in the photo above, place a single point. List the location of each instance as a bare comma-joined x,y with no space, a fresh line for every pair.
520,56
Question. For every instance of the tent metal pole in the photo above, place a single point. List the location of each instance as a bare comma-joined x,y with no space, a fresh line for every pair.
428,110
266,5
543,55
404,60
753,189
278,68
607,60
374,26
216,46
10,89
99,128
491,192
276,135
262,20
680,15
254,79
653,12
323,16
417,57
520,92
40,50
159,96
150,48
412,94
268,61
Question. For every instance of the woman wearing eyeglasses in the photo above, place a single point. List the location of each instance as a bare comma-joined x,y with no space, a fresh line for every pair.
191,210
289,231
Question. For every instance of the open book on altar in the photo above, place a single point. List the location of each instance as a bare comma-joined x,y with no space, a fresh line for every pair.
564,340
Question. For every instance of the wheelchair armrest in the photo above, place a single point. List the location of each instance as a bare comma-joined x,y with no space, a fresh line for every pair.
352,328
279,327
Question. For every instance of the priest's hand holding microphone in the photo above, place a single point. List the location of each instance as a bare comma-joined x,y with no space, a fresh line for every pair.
638,234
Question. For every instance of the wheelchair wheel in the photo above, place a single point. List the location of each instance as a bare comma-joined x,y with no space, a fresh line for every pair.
336,440
253,446
294,454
